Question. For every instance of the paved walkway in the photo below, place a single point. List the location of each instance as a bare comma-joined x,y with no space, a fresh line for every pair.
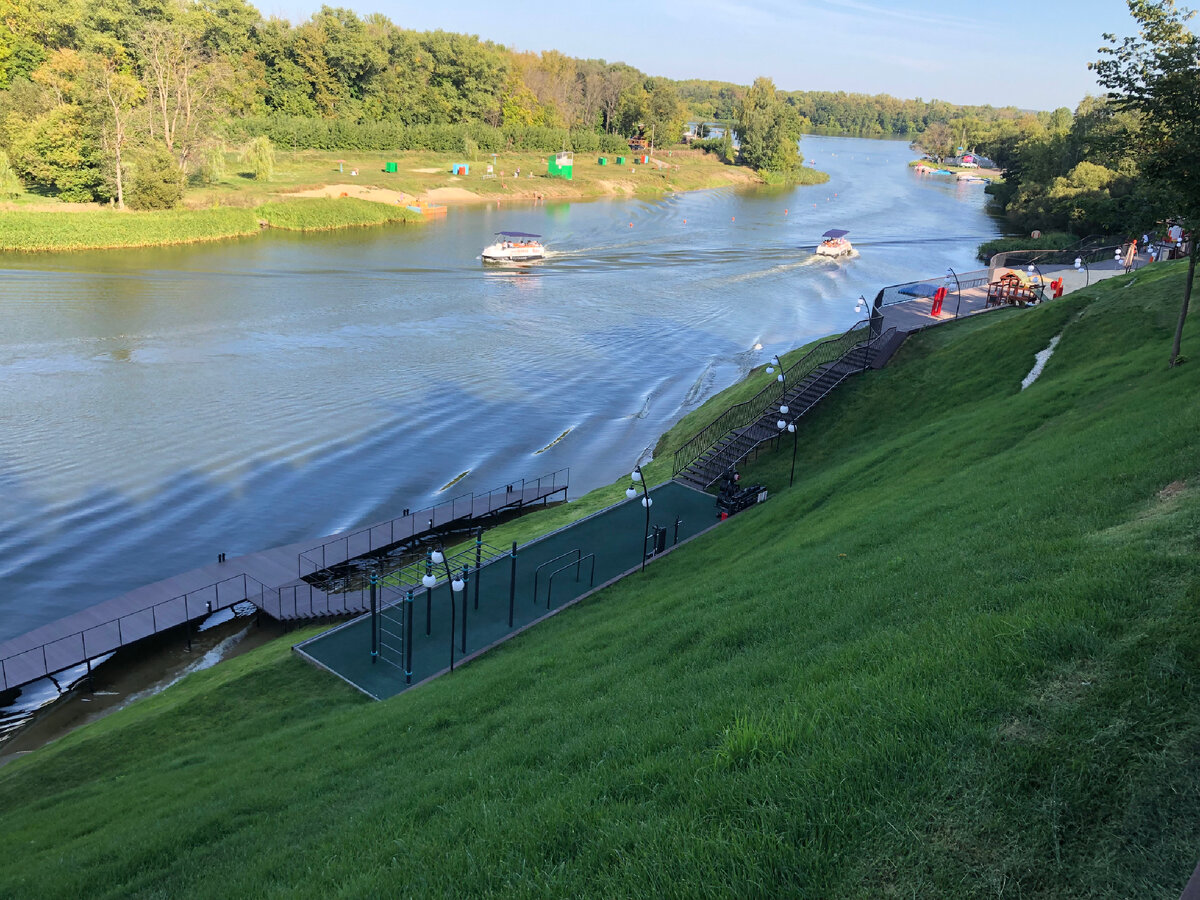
911,315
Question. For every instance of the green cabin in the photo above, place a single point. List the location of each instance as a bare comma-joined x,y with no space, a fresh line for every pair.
561,165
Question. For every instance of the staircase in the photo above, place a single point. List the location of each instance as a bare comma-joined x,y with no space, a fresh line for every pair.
806,384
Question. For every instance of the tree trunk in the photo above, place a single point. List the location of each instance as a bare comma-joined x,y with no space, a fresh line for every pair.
120,184
1187,296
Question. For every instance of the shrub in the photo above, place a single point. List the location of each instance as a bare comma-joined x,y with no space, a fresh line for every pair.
10,184
260,155
212,165
155,183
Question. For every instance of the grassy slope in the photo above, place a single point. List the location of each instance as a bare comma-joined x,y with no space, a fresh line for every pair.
957,659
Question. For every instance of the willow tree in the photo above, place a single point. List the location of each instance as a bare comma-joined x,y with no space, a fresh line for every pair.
1157,76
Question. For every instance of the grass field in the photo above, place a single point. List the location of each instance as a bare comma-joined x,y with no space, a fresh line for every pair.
420,172
959,658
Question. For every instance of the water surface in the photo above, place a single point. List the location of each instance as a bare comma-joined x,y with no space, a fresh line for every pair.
161,406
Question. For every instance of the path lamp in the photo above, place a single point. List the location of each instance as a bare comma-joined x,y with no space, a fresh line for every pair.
1032,270
1081,263
790,426
647,502
458,585
781,378
951,275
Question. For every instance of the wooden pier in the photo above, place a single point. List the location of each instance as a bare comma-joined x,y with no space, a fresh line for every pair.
270,579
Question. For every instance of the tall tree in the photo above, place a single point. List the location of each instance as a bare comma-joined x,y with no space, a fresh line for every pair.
768,129
117,93
1157,75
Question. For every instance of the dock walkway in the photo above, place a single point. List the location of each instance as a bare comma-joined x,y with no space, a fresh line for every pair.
270,579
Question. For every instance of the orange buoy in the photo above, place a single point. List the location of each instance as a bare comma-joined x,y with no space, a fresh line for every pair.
685,221
785,212
733,218
630,224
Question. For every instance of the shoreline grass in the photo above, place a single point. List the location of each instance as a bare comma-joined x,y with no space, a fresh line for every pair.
958,658
326,214
104,229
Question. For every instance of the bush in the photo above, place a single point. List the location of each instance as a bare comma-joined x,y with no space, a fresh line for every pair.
10,184
155,183
298,133
261,157
1053,240
212,165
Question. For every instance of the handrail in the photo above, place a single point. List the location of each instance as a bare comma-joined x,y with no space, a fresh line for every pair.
386,531
591,578
744,413
153,609
578,559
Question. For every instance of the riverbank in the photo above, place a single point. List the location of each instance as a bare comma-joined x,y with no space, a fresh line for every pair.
344,192
931,641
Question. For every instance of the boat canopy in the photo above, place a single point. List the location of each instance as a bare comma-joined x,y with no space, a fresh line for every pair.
517,234
835,233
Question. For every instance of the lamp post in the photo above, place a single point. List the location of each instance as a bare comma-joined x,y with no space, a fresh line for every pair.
1081,263
952,275
458,585
790,426
781,378
1032,269
647,502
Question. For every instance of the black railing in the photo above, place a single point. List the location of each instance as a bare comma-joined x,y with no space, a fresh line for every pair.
127,628
422,521
926,287
749,411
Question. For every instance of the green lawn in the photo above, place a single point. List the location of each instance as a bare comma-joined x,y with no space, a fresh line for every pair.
958,658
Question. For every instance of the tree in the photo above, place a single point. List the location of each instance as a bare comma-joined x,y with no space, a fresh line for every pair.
1157,75
155,183
768,129
10,184
117,93
261,156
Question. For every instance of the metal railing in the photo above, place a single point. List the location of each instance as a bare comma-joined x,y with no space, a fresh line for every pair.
925,288
96,640
422,521
749,411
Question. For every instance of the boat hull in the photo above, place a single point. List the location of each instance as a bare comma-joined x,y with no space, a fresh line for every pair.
500,253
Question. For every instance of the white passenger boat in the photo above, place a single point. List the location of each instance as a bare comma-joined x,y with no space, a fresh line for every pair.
835,244
514,246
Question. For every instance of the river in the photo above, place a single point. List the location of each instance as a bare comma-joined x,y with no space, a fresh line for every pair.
161,406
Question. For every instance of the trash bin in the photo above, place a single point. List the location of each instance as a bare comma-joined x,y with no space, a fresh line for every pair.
603,161
389,167
620,160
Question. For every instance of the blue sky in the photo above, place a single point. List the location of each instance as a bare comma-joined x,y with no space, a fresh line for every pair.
1030,53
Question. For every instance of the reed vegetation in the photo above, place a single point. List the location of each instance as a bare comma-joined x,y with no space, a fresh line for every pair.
105,229
321,214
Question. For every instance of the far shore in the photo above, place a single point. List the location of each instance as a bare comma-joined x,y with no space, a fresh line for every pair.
410,187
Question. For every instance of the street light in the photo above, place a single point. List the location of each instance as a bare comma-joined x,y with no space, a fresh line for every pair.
647,502
790,426
860,304
951,274
1081,263
1041,280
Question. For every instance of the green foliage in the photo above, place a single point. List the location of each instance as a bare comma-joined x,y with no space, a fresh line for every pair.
58,152
320,214
768,130
259,154
10,184
1052,240
155,183
103,229
212,166
957,660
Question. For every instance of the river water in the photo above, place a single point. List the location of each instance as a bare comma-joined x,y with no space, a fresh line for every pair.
161,406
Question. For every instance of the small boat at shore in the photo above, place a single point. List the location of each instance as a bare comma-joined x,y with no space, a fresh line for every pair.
514,246
835,244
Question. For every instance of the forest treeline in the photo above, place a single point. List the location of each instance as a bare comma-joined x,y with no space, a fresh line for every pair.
130,98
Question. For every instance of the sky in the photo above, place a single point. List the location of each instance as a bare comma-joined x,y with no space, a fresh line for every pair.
1027,53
